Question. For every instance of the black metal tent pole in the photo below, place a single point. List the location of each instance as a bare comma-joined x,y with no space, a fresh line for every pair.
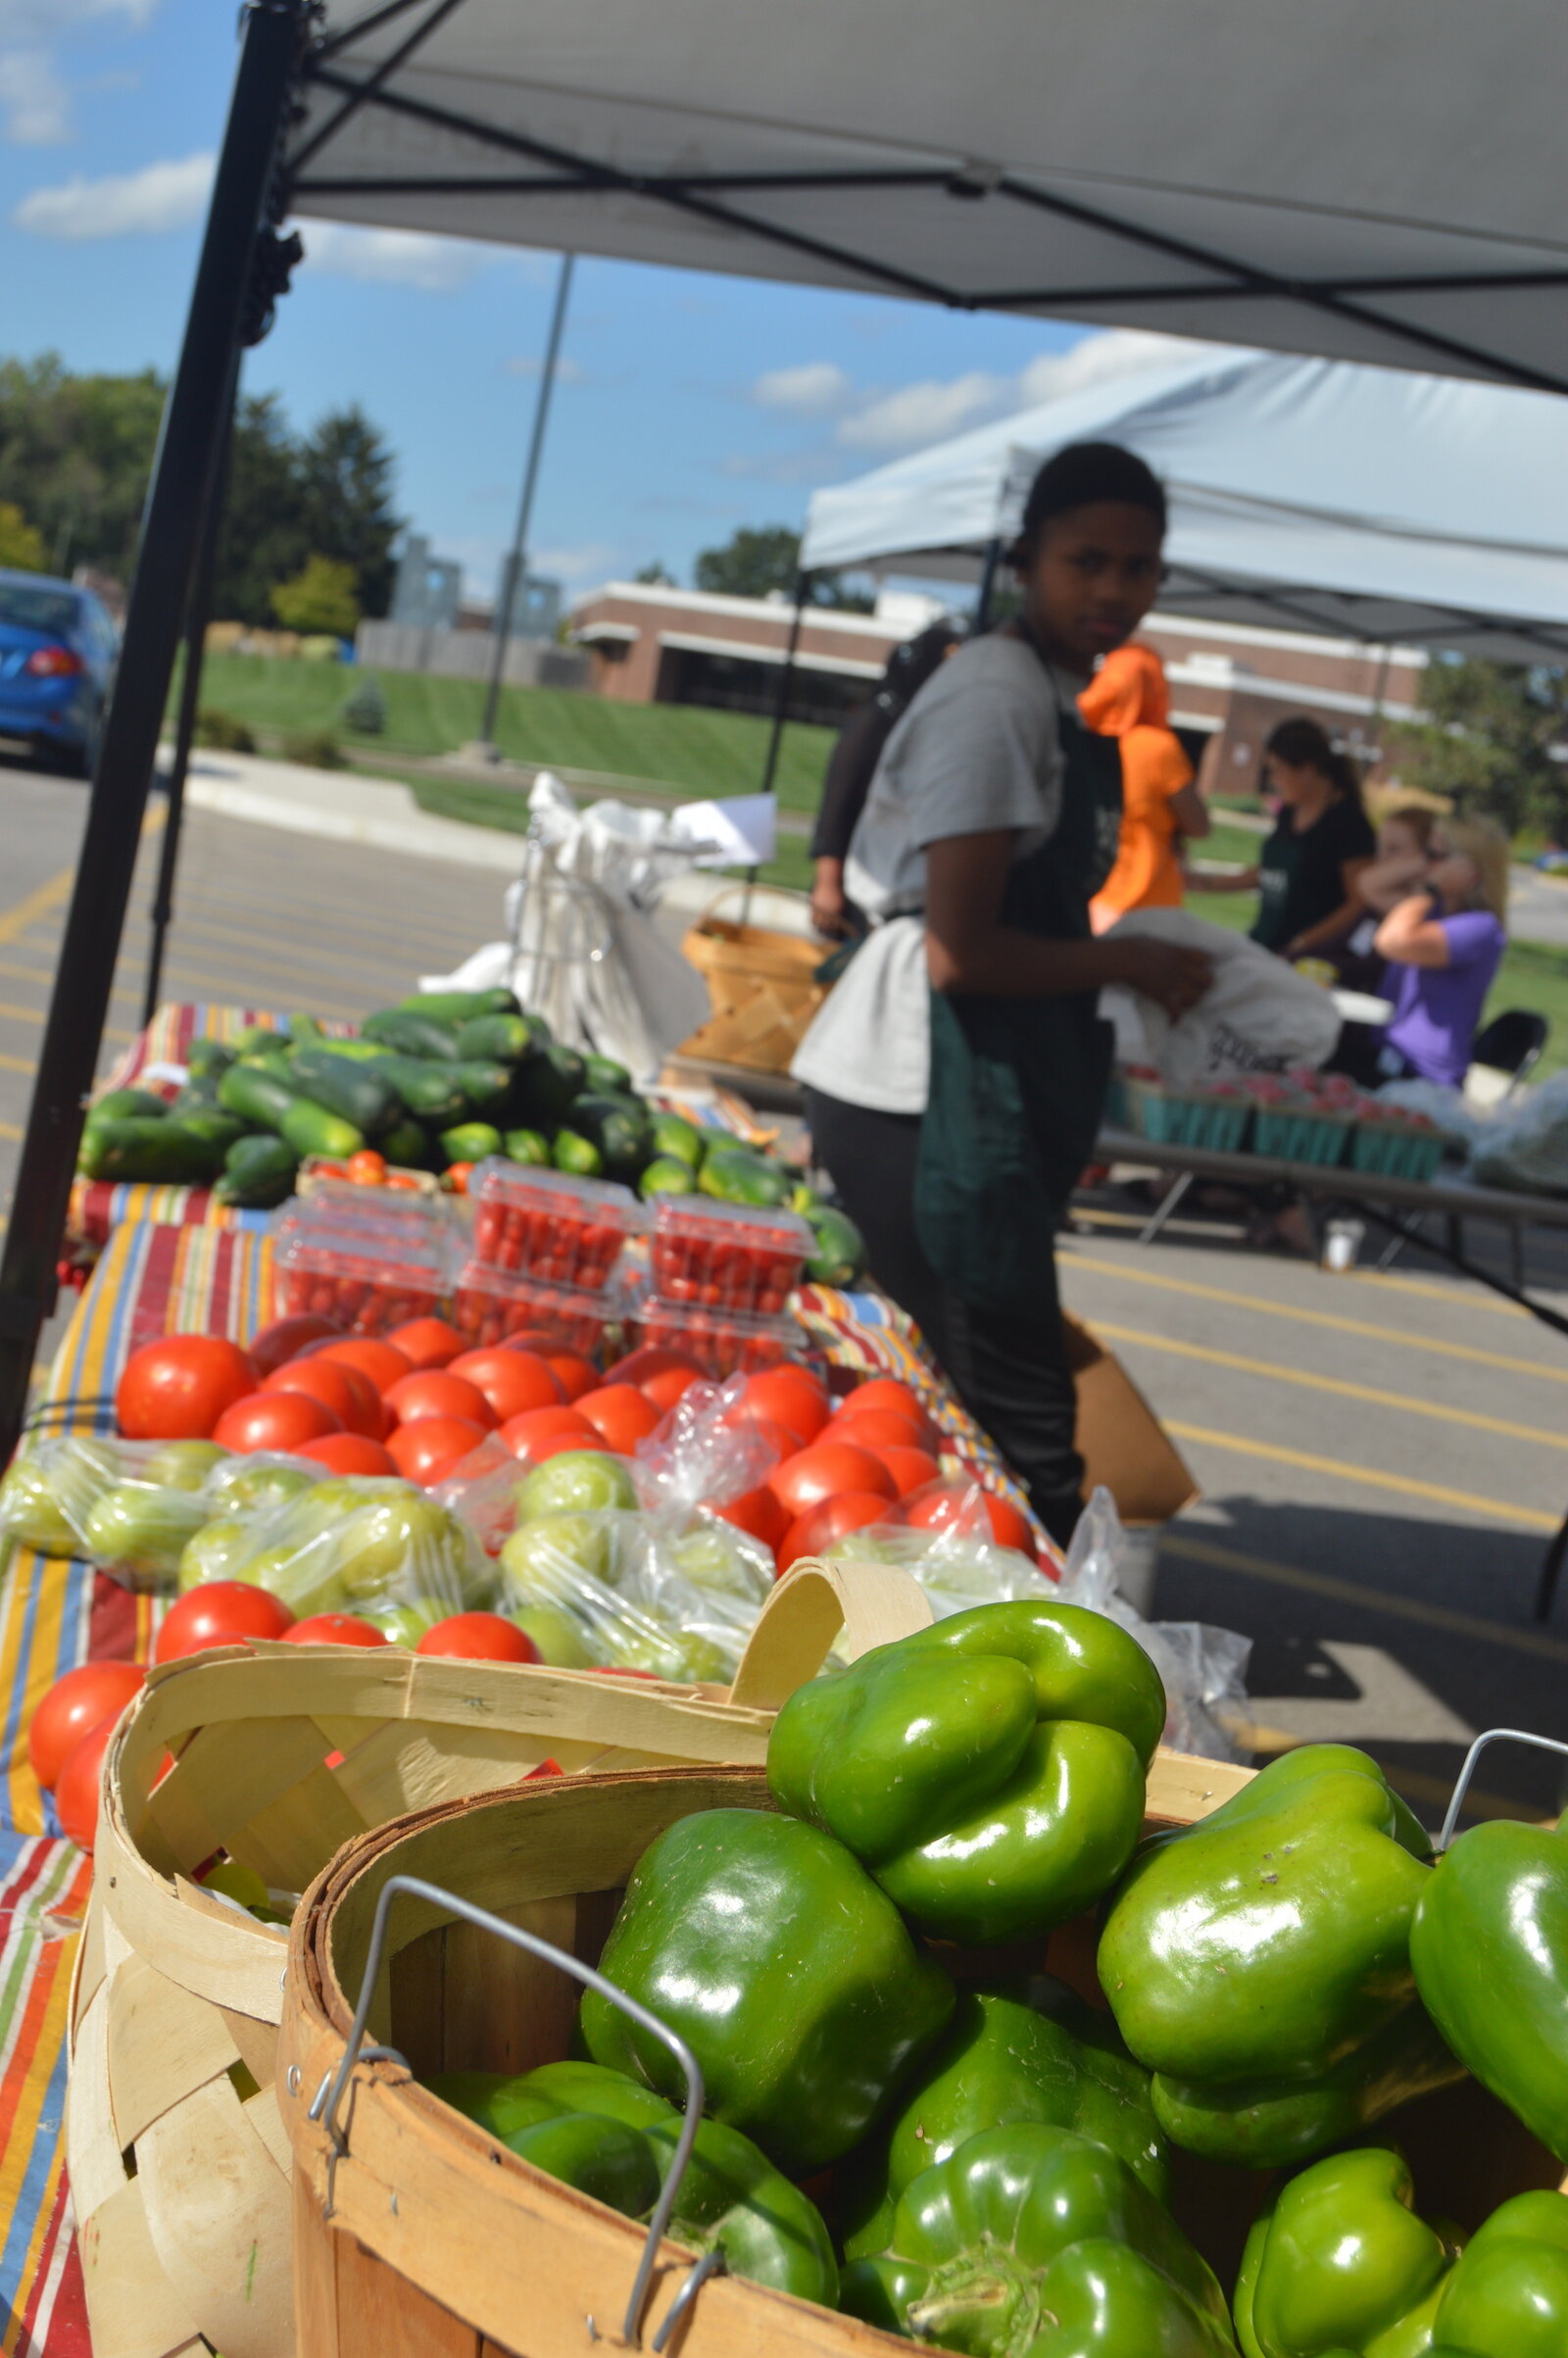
198,615
222,316
513,569
786,683
988,584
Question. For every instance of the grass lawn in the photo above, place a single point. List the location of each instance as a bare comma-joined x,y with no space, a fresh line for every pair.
694,752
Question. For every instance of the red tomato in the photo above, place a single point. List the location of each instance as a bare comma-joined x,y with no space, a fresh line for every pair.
274,1420
554,1444
757,1511
368,1168
622,1670
823,1471
426,1342
546,1768
793,1397
335,1629
348,1454
220,1612
480,1638
575,1374
74,1706
374,1357
619,1415
76,1792
427,1450
941,1503
886,1391
878,1428
352,1396
511,1381
286,1337
455,1178
434,1391
177,1389
524,1434
829,1520
654,1359
912,1469
780,1441
670,1384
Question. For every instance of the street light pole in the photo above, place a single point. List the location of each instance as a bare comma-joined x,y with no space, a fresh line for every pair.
514,570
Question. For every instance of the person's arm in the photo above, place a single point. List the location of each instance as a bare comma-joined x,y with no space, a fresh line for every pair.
1334,927
1383,883
1190,812
1222,880
829,902
851,768
1411,936
968,948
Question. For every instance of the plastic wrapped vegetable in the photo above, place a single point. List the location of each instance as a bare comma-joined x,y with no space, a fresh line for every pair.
379,1548
127,1507
588,1591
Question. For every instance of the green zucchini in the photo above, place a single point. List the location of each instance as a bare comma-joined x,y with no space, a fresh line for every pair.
458,1006
197,1097
304,1030
256,1037
212,1122
356,1091
486,1086
312,1130
405,1144
258,1171
605,1073
410,1035
140,1103
507,1039
430,1092
259,1098
674,1134
619,1128
547,1086
358,1052
470,1141
207,1057
157,1151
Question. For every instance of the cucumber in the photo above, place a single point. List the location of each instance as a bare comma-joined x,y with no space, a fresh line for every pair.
275,1060
405,1144
155,1151
573,1152
197,1097
486,1086
666,1175
355,1091
547,1086
740,1175
605,1073
429,1092
259,1098
258,1171
674,1134
212,1122
506,1039
207,1057
303,1030
458,1006
139,1104
839,1257
619,1128
358,1052
530,1146
470,1141
256,1037
408,1035
311,1129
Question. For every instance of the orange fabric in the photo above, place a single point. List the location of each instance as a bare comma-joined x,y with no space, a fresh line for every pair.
1128,699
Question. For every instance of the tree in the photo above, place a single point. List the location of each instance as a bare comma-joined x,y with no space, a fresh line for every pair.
345,475
20,543
75,451
654,574
1493,738
319,601
760,557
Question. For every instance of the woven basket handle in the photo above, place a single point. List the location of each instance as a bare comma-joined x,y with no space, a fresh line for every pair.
816,1599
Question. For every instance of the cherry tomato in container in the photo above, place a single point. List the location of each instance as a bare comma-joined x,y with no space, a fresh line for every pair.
286,1337
426,1342
372,1354
76,1792
524,1434
366,1168
426,1451
352,1396
480,1638
455,1178
76,1703
793,1397
436,1391
619,1415
335,1629
178,1388
940,1505
274,1420
816,1531
755,1510
348,1454
220,1612
511,1381
825,1469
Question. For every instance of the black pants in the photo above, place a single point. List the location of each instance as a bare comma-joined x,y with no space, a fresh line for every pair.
1010,1373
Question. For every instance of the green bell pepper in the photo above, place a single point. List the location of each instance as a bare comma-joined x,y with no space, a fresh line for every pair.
988,1770
1021,2051
1338,2262
1258,1963
1508,2295
1490,1948
791,1978
730,2199
1031,2243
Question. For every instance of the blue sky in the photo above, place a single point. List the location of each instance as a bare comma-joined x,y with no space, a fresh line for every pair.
688,403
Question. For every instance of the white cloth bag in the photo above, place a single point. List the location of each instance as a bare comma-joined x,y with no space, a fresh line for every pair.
1257,1015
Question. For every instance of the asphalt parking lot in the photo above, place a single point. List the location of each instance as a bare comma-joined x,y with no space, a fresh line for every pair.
1383,1458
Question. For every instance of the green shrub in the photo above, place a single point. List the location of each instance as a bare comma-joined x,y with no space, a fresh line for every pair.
224,733
315,749
364,709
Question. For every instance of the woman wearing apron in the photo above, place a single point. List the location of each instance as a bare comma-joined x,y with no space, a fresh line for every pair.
955,1078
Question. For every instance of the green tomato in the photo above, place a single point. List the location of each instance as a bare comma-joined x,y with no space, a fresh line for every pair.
184,1464
29,1509
238,1882
395,1539
712,1558
143,1531
406,1624
577,1481
305,1579
220,1550
259,1481
557,1637
543,1558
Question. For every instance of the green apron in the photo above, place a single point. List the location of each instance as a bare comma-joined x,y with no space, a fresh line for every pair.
1018,1085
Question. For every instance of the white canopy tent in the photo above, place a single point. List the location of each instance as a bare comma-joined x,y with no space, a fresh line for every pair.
1363,503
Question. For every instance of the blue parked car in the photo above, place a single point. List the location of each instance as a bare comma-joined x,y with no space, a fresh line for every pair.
57,649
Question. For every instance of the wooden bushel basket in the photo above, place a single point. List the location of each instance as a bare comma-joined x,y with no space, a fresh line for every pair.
764,990
178,2162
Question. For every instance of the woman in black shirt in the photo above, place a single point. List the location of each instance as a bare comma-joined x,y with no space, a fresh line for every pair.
1321,842
851,766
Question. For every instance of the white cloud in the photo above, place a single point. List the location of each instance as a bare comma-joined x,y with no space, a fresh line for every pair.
36,100
813,390
924,412
392,257
161,196
37,20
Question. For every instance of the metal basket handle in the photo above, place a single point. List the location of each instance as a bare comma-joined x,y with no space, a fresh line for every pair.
1542,1743
328,2097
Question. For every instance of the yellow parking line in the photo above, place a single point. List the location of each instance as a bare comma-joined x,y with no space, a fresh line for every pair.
18,1064
1477,1297
1342,1472
1324,1318
1334,1384
41,903
8,1130
1542,1644
21,1014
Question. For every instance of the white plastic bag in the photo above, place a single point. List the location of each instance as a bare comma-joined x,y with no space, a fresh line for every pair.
1203,1669
1526,1145
1257,1015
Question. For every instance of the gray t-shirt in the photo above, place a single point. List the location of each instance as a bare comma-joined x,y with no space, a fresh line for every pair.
977,750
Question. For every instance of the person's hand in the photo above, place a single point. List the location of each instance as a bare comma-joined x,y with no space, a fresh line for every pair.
1174,978
829,906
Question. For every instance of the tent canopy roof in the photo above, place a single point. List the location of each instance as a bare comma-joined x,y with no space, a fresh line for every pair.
1378,184
1366,503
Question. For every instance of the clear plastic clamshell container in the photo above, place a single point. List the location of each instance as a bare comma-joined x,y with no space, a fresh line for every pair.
493,1305
550,1224
728,1257
371,1267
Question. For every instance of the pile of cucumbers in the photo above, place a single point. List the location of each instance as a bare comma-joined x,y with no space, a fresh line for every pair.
442,1079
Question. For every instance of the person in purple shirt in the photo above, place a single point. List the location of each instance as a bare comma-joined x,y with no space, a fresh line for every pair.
1444,943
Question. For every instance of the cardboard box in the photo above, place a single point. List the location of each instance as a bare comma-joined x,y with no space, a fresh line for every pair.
1121,1439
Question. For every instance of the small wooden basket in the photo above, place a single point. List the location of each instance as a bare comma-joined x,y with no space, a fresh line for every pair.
764,990
178,2163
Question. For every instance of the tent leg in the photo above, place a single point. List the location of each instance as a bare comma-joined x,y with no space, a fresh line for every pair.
988,586
190,688
786,682
516,565
223,311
